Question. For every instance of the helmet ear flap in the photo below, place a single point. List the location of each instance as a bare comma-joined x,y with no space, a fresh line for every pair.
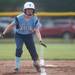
33,11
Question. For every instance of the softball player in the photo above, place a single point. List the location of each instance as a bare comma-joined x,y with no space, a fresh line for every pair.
26,25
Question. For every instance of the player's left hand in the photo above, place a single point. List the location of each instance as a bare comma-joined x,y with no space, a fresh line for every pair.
43,44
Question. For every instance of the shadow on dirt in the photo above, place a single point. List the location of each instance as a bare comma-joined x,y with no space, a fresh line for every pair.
19,73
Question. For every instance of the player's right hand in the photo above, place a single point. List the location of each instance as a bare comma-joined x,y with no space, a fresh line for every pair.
1,35
43,44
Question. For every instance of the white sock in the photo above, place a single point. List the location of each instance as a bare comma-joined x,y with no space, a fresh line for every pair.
17,62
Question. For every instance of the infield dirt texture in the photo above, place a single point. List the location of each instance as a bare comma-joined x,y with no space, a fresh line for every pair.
55,67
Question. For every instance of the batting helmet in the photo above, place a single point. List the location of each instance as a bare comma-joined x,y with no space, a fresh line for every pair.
29,5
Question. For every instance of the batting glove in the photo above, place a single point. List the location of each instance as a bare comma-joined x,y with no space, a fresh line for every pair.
43,44
1,35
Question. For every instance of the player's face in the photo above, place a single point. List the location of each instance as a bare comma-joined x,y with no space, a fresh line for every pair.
29,12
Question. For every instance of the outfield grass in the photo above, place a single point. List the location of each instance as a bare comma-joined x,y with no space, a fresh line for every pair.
53,51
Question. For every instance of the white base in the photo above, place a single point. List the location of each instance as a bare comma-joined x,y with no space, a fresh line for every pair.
51,65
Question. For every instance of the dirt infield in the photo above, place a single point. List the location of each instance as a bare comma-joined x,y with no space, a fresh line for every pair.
62,67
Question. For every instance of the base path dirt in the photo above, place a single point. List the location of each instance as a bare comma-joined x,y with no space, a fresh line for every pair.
52,67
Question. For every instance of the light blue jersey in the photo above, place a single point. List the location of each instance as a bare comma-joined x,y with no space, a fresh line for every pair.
26,26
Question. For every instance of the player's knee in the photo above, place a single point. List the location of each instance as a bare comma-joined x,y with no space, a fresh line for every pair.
19,52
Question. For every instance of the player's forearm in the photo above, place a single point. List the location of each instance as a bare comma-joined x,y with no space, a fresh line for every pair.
40,39
7,29
38,34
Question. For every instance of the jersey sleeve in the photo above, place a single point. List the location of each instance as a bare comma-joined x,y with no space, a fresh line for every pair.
37,23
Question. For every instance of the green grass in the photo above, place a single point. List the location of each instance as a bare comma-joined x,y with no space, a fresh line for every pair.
53,51
60,51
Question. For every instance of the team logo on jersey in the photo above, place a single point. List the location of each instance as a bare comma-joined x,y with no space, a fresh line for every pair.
25,28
